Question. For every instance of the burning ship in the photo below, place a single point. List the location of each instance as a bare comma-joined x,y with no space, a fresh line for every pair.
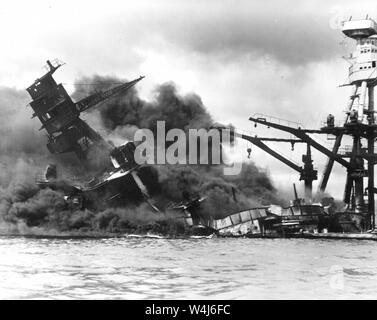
120,178
60,116
306,217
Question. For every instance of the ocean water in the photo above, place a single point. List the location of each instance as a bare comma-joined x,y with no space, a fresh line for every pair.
217,268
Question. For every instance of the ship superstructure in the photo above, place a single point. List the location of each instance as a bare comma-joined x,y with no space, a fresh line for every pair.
120,178
60,116
359,126
359,123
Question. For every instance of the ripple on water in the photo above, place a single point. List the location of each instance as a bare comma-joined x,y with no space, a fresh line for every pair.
137,268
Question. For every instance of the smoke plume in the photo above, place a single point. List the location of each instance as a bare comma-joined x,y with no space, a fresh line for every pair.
24,208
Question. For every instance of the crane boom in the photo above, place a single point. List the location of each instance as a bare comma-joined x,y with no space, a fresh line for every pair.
257,142
330,164
307,172
301,134
98,97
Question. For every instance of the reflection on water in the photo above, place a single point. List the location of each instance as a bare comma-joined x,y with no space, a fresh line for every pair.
124,268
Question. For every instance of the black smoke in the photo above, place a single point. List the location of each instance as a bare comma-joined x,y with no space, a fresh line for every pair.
24,208
124,114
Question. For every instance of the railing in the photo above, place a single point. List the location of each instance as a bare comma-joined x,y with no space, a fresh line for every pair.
56,63
276,120
337,123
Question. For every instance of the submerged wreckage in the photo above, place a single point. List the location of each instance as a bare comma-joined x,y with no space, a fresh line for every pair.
60,117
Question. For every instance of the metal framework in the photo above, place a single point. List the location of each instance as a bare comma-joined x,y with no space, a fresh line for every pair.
60,116
307,172
359,125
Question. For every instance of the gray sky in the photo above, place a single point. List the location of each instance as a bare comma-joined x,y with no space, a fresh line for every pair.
280,57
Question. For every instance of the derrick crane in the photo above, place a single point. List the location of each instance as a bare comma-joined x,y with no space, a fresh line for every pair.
307,172
302,134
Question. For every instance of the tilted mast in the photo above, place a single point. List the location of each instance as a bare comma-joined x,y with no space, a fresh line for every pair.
60,116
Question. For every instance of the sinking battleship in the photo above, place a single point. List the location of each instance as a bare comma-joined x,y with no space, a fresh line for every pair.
120,177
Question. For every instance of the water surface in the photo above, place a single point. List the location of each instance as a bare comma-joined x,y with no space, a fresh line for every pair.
218,268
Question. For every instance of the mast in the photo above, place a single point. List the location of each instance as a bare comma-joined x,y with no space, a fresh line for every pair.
371,160
363,76
60,116
359,125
